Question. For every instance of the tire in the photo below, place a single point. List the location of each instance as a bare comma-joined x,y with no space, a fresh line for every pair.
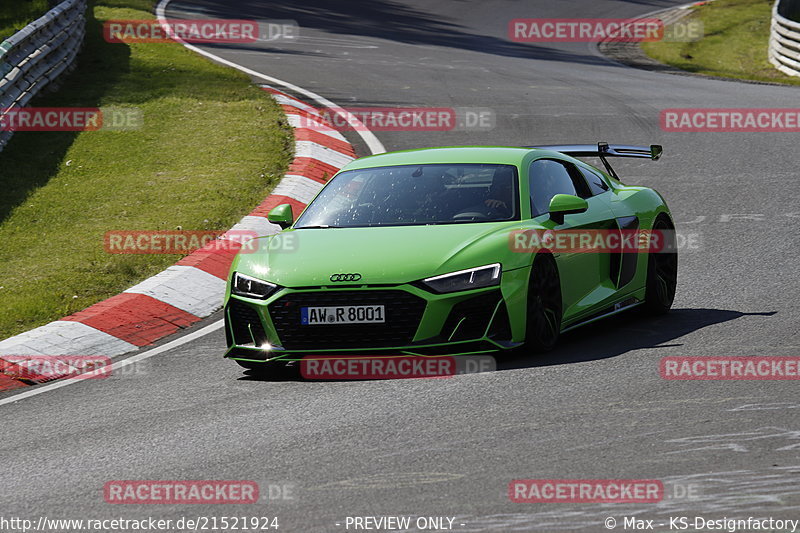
545,308
662,272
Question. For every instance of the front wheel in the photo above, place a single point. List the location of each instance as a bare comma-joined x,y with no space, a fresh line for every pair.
544,306
662,272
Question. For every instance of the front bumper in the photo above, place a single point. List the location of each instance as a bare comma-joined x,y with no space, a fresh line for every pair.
417,322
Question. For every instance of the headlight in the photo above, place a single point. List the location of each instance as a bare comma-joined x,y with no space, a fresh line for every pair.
464,280
242,285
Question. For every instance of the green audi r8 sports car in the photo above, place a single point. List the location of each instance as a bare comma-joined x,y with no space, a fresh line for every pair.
429,252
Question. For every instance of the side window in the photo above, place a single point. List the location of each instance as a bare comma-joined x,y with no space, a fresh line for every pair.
548,177
596,182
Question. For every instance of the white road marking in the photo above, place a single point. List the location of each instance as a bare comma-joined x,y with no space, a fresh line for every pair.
119,364
325,41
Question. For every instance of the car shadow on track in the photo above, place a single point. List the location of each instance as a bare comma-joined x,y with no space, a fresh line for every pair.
623,333
401,22
601,340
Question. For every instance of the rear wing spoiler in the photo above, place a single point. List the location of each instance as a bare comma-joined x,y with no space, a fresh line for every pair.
604,150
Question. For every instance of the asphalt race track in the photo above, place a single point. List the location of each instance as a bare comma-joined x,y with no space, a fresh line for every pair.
595,408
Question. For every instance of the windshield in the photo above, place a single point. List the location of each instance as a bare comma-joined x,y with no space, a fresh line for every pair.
416,195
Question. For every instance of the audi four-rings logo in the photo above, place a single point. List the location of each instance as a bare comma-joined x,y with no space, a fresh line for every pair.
345,277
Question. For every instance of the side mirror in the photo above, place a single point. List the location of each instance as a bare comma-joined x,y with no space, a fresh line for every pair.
566,204
281,215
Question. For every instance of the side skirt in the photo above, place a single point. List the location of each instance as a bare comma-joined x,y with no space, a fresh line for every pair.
617,308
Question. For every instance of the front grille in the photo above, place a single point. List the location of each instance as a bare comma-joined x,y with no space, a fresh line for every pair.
243,319
473,315
403,315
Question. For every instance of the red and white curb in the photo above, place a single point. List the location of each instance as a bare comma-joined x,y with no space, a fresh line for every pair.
194,287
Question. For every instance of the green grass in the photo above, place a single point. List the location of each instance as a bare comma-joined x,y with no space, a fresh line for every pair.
16,14
734,46
212,147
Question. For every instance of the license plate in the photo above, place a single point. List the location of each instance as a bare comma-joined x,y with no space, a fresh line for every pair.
342,314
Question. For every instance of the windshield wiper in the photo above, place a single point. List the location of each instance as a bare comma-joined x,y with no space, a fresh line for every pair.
321,226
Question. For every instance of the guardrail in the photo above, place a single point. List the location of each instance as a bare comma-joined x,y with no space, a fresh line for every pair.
784,37
34,57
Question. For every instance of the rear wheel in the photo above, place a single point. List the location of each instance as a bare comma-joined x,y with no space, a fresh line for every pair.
662,272
544,305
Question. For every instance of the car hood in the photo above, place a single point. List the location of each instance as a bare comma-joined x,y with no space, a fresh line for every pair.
389,254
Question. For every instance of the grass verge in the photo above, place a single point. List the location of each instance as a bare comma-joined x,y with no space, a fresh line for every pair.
16,14
212,146
734,45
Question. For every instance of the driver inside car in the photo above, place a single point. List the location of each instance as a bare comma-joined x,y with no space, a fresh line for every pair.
500,193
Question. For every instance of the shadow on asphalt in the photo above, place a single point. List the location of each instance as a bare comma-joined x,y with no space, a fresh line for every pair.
102,64
602,340
623,333
385,20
